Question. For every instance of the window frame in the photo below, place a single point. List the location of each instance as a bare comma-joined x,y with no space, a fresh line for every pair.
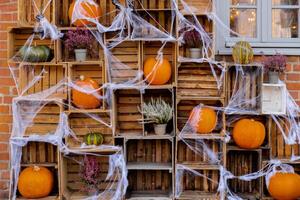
263,43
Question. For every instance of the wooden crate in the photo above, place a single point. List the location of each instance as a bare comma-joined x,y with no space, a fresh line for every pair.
53,75
150,50
162,20
71,182
45,122
127,116
199,187
109,12
39,153
195,79
94,70
185,107
17,37
190,152
148,154
274,98
264,119
152,4
266,195
46,155
63,54
149,184
207,25
82,124
279,148
198,7
125,64
248,79
27,11
168,96
241,162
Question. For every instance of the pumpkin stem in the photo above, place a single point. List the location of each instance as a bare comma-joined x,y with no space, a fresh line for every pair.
81,77
36,168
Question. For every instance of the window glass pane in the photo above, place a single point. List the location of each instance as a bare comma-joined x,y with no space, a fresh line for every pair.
285,23
242,2
285,2
243,21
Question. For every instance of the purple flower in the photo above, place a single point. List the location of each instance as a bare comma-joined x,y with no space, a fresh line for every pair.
90,173
276,63
80,39
192,38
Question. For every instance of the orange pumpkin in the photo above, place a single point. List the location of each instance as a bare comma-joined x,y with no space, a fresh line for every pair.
203,119
248,133
35,182
285,186
84,100
86,9
157,72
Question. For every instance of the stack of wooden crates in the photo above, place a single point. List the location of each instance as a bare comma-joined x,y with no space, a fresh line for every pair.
151,159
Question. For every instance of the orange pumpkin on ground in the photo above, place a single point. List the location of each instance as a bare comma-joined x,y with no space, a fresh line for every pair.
203,119
285,186
248,133
35,182
157,72
86,9
84,100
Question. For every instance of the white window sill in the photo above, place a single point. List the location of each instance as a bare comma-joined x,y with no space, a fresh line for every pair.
264,51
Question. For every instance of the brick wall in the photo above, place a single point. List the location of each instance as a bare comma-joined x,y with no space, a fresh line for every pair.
8,17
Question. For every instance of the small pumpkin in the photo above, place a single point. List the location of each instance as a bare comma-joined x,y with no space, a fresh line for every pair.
87,10
242,53
35,182
157,72
41,53
284,186
203,119
84,100
248,133
93,138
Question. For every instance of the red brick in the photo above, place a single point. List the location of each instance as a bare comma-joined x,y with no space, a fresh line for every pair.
289,67
5,118
296,67
4,128
293,77
4,156
3,185
294,94
4,137
3,147
293,86
5,175
3,165
4,90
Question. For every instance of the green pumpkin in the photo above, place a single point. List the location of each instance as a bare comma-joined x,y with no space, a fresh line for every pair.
93,138
242,53
40,53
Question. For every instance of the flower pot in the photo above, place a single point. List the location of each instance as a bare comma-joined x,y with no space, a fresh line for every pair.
195,53
80,54
273,77
160,129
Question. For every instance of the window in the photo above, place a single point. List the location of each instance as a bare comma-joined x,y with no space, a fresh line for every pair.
269,25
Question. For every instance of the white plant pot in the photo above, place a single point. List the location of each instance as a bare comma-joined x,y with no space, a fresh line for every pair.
195,53
160,129
80,54
273,77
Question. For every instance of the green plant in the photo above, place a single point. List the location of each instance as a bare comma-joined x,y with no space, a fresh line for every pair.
157,111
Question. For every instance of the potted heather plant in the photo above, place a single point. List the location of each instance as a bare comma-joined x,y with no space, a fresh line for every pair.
274,65
80,41
192,40
90,175
159,112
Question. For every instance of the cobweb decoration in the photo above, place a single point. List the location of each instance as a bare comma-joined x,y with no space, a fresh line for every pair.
129,25
244,87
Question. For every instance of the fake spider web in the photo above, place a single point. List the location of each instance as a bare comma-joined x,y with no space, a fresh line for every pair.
243,100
